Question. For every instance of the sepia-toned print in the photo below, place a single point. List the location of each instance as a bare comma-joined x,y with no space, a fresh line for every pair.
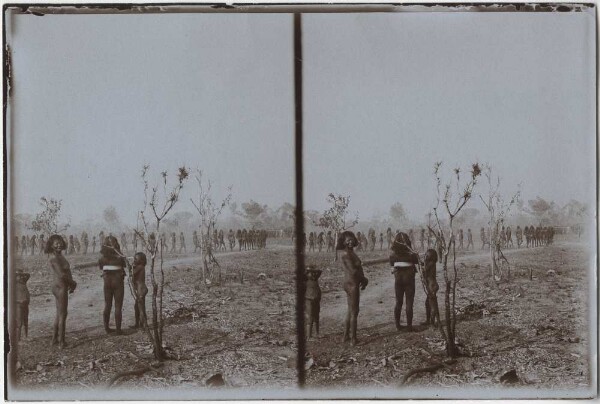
452,156
301,202
151,204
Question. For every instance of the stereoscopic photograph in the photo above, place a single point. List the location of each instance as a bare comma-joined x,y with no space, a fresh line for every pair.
455,154
310,201
151,202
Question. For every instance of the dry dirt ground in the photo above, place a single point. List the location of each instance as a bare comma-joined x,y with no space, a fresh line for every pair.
245,332
539,328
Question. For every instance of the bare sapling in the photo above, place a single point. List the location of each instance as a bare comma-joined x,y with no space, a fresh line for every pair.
209,212
47,221
498,211
334,218
158,202
452,197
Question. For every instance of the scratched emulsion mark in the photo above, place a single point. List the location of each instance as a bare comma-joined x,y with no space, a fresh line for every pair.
7,73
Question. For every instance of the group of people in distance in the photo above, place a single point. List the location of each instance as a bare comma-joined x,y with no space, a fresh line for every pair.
244,239
113,265
369,241
534,236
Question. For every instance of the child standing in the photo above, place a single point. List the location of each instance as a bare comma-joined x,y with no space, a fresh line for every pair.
140,289
22,304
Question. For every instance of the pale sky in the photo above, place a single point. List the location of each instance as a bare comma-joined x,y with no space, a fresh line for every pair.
98,96
385,96
388,94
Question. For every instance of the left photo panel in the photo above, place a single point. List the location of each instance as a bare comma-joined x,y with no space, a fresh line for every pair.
150,206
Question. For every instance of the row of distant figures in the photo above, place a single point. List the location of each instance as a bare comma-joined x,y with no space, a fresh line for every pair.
529,236
241,239
369,241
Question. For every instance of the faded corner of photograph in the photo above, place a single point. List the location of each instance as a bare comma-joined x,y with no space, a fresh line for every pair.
450,204
150,206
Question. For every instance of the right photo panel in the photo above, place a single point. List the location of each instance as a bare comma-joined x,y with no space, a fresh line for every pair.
450,202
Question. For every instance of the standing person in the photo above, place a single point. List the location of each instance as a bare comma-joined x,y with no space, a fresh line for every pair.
248,239
403,262
42,243
509,241
231,238
469,239
181,242
543,236
23,244
380,241
460,239
330,244
112,264
152,243
354,282
245,239
432,312
77,244
86,242
238,236
483,238
23,298
93,244
519,235
311,241
195,240
138,276
71,245
32,244
388,235
373,239
173,241
62,285
222,240
320,240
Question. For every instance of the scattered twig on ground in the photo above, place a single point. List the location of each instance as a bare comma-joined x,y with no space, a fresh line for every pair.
426,369
135,372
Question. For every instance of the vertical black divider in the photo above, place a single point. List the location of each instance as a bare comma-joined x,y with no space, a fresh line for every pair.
300,284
